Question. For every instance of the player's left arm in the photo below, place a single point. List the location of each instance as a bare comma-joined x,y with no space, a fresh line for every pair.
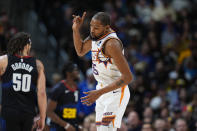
113,49
41,94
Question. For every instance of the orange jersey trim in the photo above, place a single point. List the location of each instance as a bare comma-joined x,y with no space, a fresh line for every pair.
122,93
105,35
104,43
113,122
98,123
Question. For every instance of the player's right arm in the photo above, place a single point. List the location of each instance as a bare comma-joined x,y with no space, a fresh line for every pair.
81,47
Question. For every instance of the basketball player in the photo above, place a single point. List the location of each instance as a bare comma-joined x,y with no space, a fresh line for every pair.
23,86
63,99
110,69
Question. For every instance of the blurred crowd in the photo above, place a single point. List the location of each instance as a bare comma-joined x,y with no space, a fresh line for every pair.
160,42
6,31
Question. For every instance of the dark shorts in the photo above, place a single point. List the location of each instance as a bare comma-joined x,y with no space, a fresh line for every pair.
17,121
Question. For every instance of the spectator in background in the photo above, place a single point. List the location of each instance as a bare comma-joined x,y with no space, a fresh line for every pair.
160,12
190,64
147,127
160,125
62,105
148,114
87,85
181,125
143,11
56,77
88,121
193,106
172,94
133,122
6,31
123,127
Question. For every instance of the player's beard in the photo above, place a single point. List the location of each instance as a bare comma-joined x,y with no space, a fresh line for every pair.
95,38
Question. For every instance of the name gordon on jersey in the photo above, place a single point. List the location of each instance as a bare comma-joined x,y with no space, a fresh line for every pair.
21,65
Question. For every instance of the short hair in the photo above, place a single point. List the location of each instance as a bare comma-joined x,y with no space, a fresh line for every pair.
68,67
103,17
18,42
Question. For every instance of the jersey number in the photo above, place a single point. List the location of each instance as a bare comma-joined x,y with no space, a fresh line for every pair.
21,82
95,71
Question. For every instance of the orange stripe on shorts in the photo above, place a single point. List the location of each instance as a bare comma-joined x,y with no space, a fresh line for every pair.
122,93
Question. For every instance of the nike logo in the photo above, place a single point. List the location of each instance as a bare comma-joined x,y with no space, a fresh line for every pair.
115,91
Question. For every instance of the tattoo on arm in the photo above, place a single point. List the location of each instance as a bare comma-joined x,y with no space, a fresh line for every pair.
120,82
38,67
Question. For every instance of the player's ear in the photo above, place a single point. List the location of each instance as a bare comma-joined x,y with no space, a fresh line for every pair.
26,46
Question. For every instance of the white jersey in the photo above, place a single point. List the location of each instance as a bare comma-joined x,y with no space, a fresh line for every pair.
104,69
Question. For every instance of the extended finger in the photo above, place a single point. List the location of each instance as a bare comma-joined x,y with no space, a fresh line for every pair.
87,103
85,97
83,16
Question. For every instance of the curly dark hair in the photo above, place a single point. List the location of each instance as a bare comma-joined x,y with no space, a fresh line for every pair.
17,43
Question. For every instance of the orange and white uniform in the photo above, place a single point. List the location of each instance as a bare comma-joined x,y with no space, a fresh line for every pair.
111,106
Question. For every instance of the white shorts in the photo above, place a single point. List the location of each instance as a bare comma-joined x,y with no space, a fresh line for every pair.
111,106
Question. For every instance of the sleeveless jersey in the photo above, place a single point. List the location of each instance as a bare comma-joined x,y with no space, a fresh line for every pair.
19,85
104,69
67,99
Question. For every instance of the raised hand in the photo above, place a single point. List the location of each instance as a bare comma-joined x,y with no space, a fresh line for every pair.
78,21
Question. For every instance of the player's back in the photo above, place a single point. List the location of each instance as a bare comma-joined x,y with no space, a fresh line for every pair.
19,85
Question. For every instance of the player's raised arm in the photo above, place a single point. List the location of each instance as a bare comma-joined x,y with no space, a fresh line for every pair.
81,47
41,93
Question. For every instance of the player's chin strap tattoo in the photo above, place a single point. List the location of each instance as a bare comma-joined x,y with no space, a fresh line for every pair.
120,82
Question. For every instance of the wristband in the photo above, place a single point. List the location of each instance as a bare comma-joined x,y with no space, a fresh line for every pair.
67,126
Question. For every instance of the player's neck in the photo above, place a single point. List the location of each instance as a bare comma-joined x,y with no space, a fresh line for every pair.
23,53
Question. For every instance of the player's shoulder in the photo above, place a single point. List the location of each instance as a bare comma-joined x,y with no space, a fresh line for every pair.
3,57
3,60
113,43
39,64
